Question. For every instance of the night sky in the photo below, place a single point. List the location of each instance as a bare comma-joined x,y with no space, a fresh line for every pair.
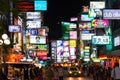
61,10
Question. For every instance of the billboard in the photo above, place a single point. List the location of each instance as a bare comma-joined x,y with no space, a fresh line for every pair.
40,5
100,23
111,14
100,40
97,4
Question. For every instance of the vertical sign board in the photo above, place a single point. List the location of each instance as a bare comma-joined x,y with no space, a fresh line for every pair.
53,50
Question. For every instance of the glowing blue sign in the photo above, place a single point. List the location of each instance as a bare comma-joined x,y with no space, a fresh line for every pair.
40,5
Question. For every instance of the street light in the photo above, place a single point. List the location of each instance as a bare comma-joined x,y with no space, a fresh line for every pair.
4,42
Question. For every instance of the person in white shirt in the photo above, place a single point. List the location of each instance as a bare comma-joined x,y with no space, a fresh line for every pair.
115,73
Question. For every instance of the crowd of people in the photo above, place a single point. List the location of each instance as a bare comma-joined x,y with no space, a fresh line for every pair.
96,72
44,73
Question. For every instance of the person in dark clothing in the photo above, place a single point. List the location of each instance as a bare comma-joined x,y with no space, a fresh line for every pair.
109,73
25,73
32,73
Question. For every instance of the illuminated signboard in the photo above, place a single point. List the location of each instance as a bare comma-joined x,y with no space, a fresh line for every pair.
117,41
96,59
85,31
95,12
14,28
66,49
74,19
40,46
73,25
72,50
85,25
37,40
85,8
111,14
85,17
33,24
25,6
97,4
33,15
87,36
33,31
72,43
53,50
72,57
41,53
98,23
59,53
41,32
73,34
100,40
40,5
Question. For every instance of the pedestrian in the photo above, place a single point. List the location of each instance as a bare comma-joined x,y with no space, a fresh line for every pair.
115,73
25,73
109,73
60,73
32,73
44,73
55,72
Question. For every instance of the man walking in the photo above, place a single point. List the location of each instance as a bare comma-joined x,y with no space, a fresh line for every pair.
115,73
